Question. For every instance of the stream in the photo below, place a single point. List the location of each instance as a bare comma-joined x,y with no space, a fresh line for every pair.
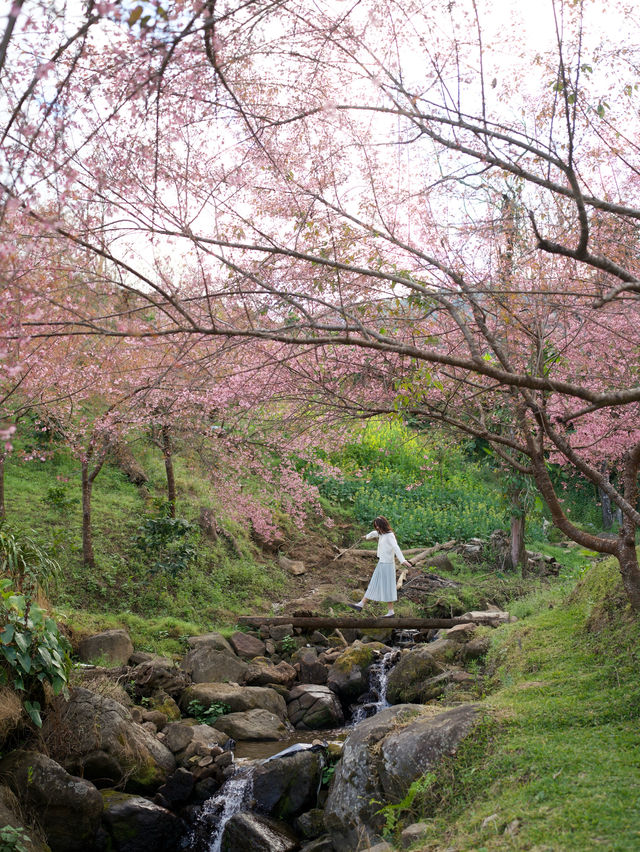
235,795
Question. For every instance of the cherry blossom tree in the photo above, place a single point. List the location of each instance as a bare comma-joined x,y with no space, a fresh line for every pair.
370,178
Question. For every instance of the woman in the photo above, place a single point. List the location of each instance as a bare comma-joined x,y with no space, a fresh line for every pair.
382,586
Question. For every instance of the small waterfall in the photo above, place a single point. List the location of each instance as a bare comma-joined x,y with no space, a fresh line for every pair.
232,797
377,695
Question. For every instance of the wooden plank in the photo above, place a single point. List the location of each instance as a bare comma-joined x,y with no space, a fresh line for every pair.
358,621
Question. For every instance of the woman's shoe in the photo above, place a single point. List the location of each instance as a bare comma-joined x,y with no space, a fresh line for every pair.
357,607
389,615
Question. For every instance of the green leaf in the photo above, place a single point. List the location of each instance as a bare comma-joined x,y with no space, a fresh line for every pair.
10,654
46,656
7,634
33,709
21,641
25,661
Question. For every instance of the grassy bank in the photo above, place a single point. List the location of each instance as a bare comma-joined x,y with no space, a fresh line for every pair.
555,764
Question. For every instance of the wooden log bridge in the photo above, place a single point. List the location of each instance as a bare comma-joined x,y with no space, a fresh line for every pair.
319,622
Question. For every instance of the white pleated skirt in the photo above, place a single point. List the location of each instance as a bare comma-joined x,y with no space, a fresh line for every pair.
382,586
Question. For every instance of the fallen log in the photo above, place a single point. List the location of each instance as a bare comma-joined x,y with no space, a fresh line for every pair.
319,622
420,553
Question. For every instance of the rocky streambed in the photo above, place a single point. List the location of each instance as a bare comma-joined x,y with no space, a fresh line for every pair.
139,759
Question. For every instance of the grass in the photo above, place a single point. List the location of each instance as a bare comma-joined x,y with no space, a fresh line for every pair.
222,582
554,765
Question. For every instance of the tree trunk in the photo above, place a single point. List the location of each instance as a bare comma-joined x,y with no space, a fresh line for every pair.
167,454
628,559
2,509
605,501
87,537
518,550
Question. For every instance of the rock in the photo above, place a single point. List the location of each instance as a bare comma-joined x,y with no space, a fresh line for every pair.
69,809
204,664
162,702
186,740
318,638
406,679
248,832
262,672
476,648
417,748
286,786
443,650
254,725
95,737
313,707
293,566
215,641
247,646
310,824
158,674
238,698
349,674
310,669
381,759
379,847
278,632
491,617
112,646
135,824
178,788
413,833
461,632
156,718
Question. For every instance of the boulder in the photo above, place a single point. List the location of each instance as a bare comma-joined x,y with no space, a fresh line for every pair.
247,646
254,725
158,674
113,647
214,641
177,789
313,707
381,759
349,674
97,738
68,809
406,679
413,833
310,824
461,632
204,664
135,824
417,747
162,702
248,832
262,672
238,698
320,844
286,786
443,650
310,669
278,632
185,740
476,648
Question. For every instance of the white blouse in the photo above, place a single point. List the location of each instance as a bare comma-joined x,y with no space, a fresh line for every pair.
387,546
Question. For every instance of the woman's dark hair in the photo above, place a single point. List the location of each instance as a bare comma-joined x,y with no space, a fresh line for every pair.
382,525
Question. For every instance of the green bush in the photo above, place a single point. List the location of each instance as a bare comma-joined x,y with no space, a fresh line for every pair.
26,563
169,541
32,650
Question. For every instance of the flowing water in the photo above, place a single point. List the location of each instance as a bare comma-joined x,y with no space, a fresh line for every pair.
232,797
376,698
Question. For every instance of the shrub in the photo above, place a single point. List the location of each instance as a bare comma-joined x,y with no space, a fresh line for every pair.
169,541
32,650
26,563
